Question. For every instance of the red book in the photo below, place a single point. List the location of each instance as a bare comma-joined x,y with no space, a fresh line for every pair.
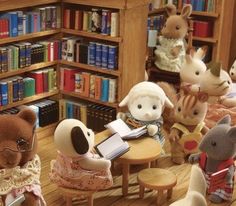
38,76
86,83
69,79
203,29
78,20
217,180
66,19
97,87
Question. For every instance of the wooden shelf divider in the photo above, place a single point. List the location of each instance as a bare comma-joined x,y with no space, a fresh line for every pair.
77,95
29,36
90,68
30,99
92,35
27,69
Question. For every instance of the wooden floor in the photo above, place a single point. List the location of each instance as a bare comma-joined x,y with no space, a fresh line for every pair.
113,196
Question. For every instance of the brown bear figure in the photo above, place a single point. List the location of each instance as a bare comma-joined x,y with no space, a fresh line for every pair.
20,166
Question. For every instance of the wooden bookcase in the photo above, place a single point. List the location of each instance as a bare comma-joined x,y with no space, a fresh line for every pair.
131,43
222,31
13,5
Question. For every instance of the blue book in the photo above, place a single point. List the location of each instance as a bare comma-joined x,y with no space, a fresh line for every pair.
105,89
69,110
4,92
15,89
13,23
20,22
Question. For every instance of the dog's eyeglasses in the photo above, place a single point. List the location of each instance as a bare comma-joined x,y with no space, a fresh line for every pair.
21,145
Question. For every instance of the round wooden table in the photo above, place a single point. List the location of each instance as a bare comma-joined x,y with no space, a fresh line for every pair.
142,151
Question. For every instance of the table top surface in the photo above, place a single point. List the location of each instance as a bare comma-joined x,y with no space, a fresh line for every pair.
142,150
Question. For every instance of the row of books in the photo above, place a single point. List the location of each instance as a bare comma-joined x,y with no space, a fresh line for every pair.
24,54
17,88
89,85
95,116
16,23
198,5
102,21
156,22
47,111
92,53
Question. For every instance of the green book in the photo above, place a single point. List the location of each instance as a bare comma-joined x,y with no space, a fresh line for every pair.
29,86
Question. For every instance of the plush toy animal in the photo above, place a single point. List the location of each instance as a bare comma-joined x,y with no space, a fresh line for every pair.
193,67
217,84
146,102
196,191
218,148
76,166
171,51
186,133
20,165
232,71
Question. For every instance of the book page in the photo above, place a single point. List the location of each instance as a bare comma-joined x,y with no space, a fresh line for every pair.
110,144
118,126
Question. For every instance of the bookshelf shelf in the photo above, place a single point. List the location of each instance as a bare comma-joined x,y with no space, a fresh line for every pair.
29,36
77,95
16,4
90,68
92,35
194,13
208,40
30,99
27,69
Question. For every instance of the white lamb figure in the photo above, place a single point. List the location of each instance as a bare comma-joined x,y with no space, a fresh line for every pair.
146,102
232,71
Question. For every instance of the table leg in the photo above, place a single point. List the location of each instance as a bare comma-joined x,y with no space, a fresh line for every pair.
169,193
125,179
141,191
159,197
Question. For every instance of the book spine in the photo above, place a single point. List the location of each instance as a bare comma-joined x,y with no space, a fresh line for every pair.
85,21
15,89
78,83
70,50
92,53
89,29
98,61
20,88
98,87
114,24
20,22
104,56
112,57
10,91
92,86
54,17
104,29
112,90
86,83
42,13
105,89
4,93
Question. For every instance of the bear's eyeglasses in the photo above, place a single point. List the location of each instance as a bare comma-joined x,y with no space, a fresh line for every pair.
22,145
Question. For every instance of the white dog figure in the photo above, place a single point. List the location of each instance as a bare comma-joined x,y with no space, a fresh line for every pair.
146,102
197,190
76,166
232,71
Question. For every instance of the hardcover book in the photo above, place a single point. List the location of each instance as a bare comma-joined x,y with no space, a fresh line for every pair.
112,147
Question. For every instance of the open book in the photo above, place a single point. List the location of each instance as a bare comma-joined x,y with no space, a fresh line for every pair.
120,127
217,180
112,147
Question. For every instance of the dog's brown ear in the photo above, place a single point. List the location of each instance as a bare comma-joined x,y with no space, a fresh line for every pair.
79,141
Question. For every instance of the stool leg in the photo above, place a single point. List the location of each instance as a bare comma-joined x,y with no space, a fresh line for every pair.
169,193
141,191
125,179
90,200
159,197
68,201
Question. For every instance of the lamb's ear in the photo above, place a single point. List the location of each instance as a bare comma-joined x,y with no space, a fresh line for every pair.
124,102
168,103
186,11
232,134
225,120
201,52
170,9
188,58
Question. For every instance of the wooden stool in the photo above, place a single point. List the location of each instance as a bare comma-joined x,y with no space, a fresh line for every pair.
70,193
156,179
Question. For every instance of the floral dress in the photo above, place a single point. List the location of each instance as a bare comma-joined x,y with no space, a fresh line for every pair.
67,172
